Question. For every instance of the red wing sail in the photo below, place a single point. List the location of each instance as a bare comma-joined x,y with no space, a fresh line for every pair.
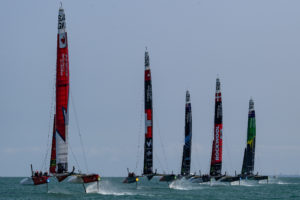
62,95
216,156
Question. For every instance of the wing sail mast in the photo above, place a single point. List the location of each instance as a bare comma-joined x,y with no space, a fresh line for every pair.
148,146
59,151
249,155
216,156
186,156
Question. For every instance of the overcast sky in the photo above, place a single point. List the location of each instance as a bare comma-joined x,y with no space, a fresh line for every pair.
253,46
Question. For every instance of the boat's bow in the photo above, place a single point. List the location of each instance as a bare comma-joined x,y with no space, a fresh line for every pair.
168,177
131,178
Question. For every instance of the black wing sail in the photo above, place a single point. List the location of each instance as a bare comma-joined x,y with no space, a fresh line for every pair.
148,147
244,167
186,156
216,156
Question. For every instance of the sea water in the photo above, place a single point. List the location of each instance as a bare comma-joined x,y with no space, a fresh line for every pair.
113,188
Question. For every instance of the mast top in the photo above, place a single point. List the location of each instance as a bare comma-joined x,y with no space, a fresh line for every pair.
188,98
218,85
147,60
61,20
251,104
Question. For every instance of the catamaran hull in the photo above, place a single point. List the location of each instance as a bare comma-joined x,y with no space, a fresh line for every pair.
199,179
229,179
130,179
259,178
40,180
150,176
254,177
83,178
223,179
27,181
74,179
61,178
168,178
89,178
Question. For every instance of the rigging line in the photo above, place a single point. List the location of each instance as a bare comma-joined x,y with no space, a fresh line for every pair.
43,165
198,162
139,136
161,143
257,156
159,163
180,156
211,147
210,157
228,153
258,163
79,133
74,157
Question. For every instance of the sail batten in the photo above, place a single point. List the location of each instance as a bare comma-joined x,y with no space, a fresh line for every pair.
186,156
148,146
60,136
216,156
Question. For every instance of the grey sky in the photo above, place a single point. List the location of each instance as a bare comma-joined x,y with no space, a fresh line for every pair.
253,46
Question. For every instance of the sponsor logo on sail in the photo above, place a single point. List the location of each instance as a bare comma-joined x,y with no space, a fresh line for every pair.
149,143
217,144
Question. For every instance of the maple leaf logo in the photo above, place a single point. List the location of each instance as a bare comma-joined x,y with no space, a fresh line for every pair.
63,40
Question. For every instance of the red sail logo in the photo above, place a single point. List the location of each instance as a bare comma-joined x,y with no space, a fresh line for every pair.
63,40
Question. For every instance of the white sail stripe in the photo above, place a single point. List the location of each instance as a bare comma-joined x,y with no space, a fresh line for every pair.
148,123
61,149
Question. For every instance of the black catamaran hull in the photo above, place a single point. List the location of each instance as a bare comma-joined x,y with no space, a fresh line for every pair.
131,179
168,178
199,179
253,177
229,179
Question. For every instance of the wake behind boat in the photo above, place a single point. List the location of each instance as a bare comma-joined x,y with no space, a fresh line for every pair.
59,148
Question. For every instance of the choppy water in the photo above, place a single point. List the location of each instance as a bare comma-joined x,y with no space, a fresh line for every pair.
113,188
